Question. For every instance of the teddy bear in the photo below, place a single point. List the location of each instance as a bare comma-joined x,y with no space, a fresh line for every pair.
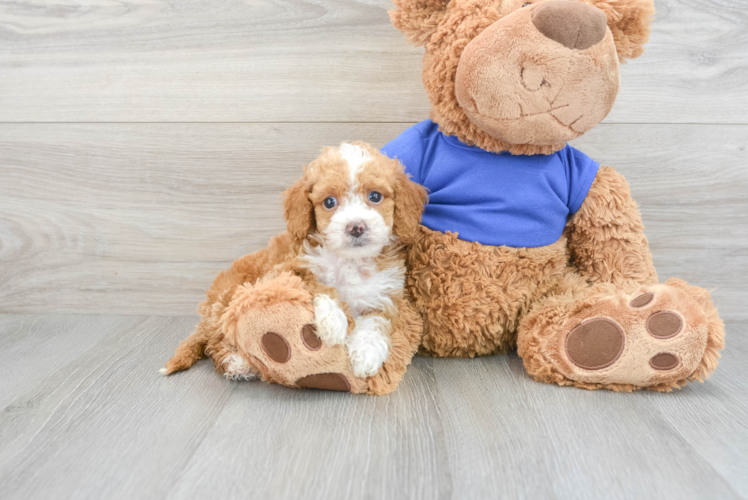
526,242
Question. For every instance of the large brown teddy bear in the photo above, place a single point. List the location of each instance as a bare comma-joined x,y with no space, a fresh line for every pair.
527,242
578,295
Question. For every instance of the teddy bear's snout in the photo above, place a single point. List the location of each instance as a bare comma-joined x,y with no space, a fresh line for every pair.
542,75
574,25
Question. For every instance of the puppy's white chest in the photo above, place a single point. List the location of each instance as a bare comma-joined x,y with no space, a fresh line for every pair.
361,288
359,282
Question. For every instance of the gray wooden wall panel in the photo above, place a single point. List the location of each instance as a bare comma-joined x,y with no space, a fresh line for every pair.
329,60
139,218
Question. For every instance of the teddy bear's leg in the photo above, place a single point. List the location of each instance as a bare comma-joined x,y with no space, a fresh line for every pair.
645,336
273,326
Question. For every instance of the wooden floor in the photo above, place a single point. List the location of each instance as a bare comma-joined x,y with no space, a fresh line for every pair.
143,147
87,415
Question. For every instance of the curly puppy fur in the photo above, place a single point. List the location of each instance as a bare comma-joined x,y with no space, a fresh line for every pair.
281,280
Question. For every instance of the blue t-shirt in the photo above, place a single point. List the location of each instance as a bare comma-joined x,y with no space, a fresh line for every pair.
494,199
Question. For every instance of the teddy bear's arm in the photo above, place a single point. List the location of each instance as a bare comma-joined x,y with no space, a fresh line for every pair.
606,236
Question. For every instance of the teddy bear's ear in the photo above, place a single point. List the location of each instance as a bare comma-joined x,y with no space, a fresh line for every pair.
298,210
629,21
418,19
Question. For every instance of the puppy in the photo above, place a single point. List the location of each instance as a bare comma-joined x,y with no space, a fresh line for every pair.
348,220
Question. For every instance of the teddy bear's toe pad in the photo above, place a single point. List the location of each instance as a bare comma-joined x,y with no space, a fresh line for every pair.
310,338
650,338
664,361
664,324
276,347
326,381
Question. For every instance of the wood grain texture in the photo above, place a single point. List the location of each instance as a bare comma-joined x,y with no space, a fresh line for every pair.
299,61
139,218
102,423
106,424
36,348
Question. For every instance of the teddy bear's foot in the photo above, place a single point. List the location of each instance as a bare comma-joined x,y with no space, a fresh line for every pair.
273,326
294,355
657,337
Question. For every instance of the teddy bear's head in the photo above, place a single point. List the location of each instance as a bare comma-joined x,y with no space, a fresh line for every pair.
524,76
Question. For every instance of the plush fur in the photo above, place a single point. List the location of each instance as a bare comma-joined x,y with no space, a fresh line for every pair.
548,93
502,76
257,316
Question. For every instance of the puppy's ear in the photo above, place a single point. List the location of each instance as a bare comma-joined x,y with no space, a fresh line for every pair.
629,22
418,19
410,199
298,210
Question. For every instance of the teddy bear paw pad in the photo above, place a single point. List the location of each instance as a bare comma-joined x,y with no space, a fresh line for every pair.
276,347
651,338
310,339
596,344
325,381
282,341
664,324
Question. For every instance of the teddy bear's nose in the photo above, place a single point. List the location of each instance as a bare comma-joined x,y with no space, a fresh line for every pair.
573,24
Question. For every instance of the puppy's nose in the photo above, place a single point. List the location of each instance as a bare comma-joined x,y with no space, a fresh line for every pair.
356,229
573,24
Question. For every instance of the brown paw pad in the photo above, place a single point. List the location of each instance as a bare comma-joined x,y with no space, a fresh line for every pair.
595,344
276,347
310,338
642,300
664,324
326,381
664,361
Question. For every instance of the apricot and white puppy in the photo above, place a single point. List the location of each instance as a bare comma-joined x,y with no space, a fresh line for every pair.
351,246
349,221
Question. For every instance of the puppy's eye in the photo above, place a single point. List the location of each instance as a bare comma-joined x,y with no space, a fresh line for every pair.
330,202
375,197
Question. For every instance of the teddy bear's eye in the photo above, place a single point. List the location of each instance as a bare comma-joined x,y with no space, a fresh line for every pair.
330,202
375,197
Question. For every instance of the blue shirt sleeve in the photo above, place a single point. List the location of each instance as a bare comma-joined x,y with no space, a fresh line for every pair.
581,171
408,148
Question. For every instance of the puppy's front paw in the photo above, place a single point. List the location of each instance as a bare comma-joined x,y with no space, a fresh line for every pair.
332,323
369,346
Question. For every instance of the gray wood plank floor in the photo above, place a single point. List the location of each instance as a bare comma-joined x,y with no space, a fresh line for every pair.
87,415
